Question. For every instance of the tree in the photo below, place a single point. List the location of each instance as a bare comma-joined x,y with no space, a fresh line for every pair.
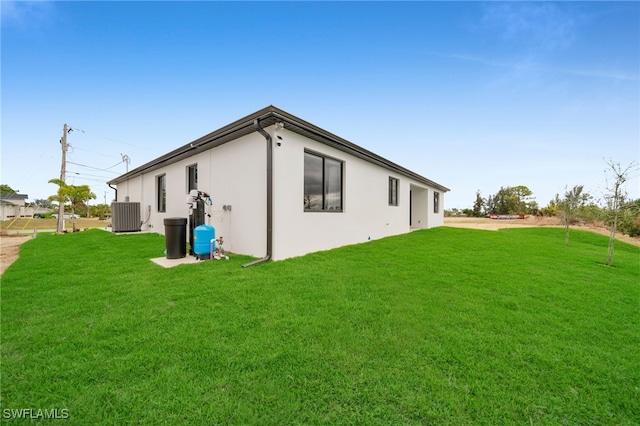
512,200
615,198
74,195
568,207
47,204
6,189
100,210
629,223
60,198
79,196
478,205
468,212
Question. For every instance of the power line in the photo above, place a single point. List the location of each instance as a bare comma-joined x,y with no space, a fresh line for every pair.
111,139
106,178
95,152
89,179
96,168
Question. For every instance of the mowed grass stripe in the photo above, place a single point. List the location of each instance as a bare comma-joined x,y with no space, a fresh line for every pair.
442,326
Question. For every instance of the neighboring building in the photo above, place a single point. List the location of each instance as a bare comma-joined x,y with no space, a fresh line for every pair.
12,206
33,210
283,187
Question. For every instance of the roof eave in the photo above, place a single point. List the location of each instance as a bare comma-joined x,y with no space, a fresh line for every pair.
269,116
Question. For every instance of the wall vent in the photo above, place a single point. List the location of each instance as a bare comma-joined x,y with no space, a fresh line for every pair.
125,217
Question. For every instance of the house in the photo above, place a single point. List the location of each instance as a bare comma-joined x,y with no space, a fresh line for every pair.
12,206
283,187
33,210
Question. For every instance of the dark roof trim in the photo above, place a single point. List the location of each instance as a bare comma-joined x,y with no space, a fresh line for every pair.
13,196
267,117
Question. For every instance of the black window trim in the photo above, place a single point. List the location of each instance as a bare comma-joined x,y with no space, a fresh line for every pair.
342,163
188,170
396,182
161,198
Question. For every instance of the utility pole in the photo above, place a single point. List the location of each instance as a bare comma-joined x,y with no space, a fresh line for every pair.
63,173
126,160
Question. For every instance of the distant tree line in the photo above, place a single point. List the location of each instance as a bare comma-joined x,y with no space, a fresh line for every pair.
508,200
615,210
575,207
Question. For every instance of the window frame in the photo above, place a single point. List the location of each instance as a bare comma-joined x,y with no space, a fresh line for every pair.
394,198
436,202
191,167
324,183
161,193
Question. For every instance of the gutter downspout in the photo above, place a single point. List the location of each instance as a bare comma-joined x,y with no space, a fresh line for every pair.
115,189
267,136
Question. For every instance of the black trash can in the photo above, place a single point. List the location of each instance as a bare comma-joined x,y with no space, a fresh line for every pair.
175,232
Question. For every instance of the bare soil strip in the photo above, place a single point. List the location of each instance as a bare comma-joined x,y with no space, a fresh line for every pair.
496,224
9,250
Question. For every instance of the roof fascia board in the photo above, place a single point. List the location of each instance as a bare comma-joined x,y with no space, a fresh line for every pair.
208,141
269,116
353,149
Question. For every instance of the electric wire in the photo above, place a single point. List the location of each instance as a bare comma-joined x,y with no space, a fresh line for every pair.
89,179
96,168
110,139
87,174
96,153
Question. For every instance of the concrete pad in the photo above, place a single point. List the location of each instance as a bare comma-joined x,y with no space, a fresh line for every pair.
170,263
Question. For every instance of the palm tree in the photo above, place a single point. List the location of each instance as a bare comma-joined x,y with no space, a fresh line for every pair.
75,195
61,198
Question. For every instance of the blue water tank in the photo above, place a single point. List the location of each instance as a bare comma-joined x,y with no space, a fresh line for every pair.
202,236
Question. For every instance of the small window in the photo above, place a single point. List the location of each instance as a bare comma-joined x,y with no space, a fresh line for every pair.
322,183
436,202
393,191
192,177
161,193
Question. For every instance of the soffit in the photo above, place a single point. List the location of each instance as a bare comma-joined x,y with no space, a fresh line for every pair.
268,117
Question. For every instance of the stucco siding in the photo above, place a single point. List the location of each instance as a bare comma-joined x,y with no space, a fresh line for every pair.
366,213
232,174
236,178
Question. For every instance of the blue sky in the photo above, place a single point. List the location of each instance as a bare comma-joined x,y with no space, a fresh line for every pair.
472,95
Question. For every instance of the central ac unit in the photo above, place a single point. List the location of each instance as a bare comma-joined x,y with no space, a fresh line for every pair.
125,217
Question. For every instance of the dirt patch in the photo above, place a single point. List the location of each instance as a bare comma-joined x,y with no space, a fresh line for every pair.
9,250
496,224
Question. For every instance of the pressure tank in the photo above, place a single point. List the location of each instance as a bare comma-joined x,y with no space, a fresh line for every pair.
202,236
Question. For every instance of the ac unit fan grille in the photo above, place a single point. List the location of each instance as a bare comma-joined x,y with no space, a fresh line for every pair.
125,217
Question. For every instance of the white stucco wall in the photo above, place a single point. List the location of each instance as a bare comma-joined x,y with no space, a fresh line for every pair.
232,174
366,212
9,211
235,174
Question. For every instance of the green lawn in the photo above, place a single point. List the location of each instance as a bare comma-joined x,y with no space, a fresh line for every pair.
441,326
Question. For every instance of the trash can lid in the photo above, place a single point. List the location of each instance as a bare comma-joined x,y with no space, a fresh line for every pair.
175,221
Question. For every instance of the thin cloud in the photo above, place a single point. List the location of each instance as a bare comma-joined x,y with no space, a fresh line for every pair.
545,25
24,13
529,66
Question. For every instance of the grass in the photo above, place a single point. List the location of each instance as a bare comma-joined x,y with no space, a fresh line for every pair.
441,326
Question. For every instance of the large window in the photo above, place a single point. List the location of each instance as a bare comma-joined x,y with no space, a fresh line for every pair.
322,183
192,177
393,191
161,193
436,202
